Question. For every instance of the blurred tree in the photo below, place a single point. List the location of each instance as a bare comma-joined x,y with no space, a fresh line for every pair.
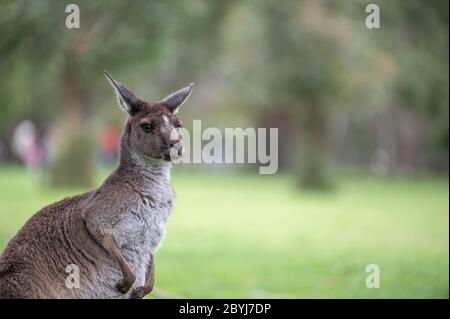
423,79
303,66
37,42
307,61
302,71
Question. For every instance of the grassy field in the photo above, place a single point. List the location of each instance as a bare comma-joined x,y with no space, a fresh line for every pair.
247,236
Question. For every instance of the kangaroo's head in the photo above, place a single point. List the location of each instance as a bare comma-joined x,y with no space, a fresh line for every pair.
151,129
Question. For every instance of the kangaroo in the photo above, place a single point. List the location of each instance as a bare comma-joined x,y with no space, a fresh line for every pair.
109,235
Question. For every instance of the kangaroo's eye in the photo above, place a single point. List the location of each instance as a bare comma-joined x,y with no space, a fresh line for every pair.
147,128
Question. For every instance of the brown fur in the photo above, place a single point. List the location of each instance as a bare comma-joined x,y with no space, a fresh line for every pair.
90,230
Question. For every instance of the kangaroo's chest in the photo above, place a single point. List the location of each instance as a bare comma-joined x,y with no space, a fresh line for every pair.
138,234
141,231
143,226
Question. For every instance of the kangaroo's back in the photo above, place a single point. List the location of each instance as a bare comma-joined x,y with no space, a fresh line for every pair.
34,262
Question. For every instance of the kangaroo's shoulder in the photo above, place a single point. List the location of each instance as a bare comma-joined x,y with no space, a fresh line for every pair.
116,191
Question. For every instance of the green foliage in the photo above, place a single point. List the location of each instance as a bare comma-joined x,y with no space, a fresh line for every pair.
248,58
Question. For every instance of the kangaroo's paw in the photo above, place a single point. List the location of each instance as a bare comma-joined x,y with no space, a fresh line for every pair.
124,285
140,292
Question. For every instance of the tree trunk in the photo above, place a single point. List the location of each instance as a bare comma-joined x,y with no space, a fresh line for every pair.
74,161
313,167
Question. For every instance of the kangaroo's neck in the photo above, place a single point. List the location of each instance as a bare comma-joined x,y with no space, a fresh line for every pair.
140,168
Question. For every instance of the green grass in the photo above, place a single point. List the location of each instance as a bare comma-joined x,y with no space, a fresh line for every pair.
248,236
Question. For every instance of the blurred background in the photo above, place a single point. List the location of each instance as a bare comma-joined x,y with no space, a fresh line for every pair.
363,135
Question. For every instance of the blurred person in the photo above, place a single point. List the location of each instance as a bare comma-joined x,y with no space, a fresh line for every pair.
26,146
109,141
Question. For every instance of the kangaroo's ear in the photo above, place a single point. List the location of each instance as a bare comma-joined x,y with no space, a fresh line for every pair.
175,100
127,100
